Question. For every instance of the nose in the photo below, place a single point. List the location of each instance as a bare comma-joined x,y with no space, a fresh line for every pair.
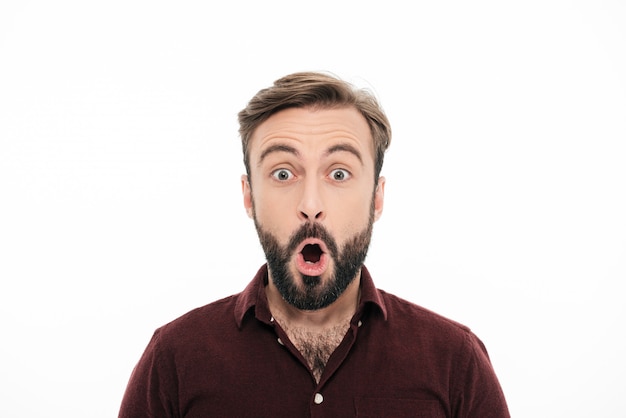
311,206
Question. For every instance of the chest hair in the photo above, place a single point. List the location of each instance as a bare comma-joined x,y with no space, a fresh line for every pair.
317,346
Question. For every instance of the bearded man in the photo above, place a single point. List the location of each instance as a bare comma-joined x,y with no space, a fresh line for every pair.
311,336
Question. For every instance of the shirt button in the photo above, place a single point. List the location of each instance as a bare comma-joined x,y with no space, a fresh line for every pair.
318,398
360,323
280,342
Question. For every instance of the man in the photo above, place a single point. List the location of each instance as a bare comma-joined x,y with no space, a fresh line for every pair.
311,335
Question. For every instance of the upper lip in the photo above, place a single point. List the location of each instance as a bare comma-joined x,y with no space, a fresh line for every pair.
312,241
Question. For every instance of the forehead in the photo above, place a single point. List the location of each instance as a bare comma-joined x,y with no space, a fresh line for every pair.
312,127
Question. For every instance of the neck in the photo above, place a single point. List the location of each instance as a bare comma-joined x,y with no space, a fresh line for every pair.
316,334
336,313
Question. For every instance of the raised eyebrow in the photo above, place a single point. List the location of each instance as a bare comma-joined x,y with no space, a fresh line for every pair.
278,148
345,148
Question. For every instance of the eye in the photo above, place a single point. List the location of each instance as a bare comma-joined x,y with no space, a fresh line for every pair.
340,174
282,174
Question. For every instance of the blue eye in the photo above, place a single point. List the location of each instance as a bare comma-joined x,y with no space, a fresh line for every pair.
340,174
282,174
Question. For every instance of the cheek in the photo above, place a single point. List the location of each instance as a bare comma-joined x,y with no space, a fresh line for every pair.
351,216
274,216
353,204
274,205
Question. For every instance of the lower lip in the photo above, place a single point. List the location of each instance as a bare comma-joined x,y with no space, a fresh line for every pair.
311,269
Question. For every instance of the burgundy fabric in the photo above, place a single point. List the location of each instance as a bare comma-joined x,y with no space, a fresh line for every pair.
230,359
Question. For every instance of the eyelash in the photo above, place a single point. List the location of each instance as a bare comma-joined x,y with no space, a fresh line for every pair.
275,174
346,174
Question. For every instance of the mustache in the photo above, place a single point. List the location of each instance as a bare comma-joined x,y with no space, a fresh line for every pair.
312,230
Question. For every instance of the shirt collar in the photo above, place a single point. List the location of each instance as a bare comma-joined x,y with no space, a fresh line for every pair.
254,296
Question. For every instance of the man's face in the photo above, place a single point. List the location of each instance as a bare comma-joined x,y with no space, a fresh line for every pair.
313,199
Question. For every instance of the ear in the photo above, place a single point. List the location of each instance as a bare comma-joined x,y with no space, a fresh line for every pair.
247,196
379,198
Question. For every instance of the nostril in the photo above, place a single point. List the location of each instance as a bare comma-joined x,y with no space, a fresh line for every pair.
318,215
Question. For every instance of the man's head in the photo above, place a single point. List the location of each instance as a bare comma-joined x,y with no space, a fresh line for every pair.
313,149
315,90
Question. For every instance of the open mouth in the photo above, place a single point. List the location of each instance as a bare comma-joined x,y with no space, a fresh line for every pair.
312,259
312,253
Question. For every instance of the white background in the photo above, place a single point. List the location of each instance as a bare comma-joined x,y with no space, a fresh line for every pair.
120,165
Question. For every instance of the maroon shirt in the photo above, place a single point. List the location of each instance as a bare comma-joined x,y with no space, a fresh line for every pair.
230,359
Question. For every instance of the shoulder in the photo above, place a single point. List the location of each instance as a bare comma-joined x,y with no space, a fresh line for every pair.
406,318
414,322
213,319
399,309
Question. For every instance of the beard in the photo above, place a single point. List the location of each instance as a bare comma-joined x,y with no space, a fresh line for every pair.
315,294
